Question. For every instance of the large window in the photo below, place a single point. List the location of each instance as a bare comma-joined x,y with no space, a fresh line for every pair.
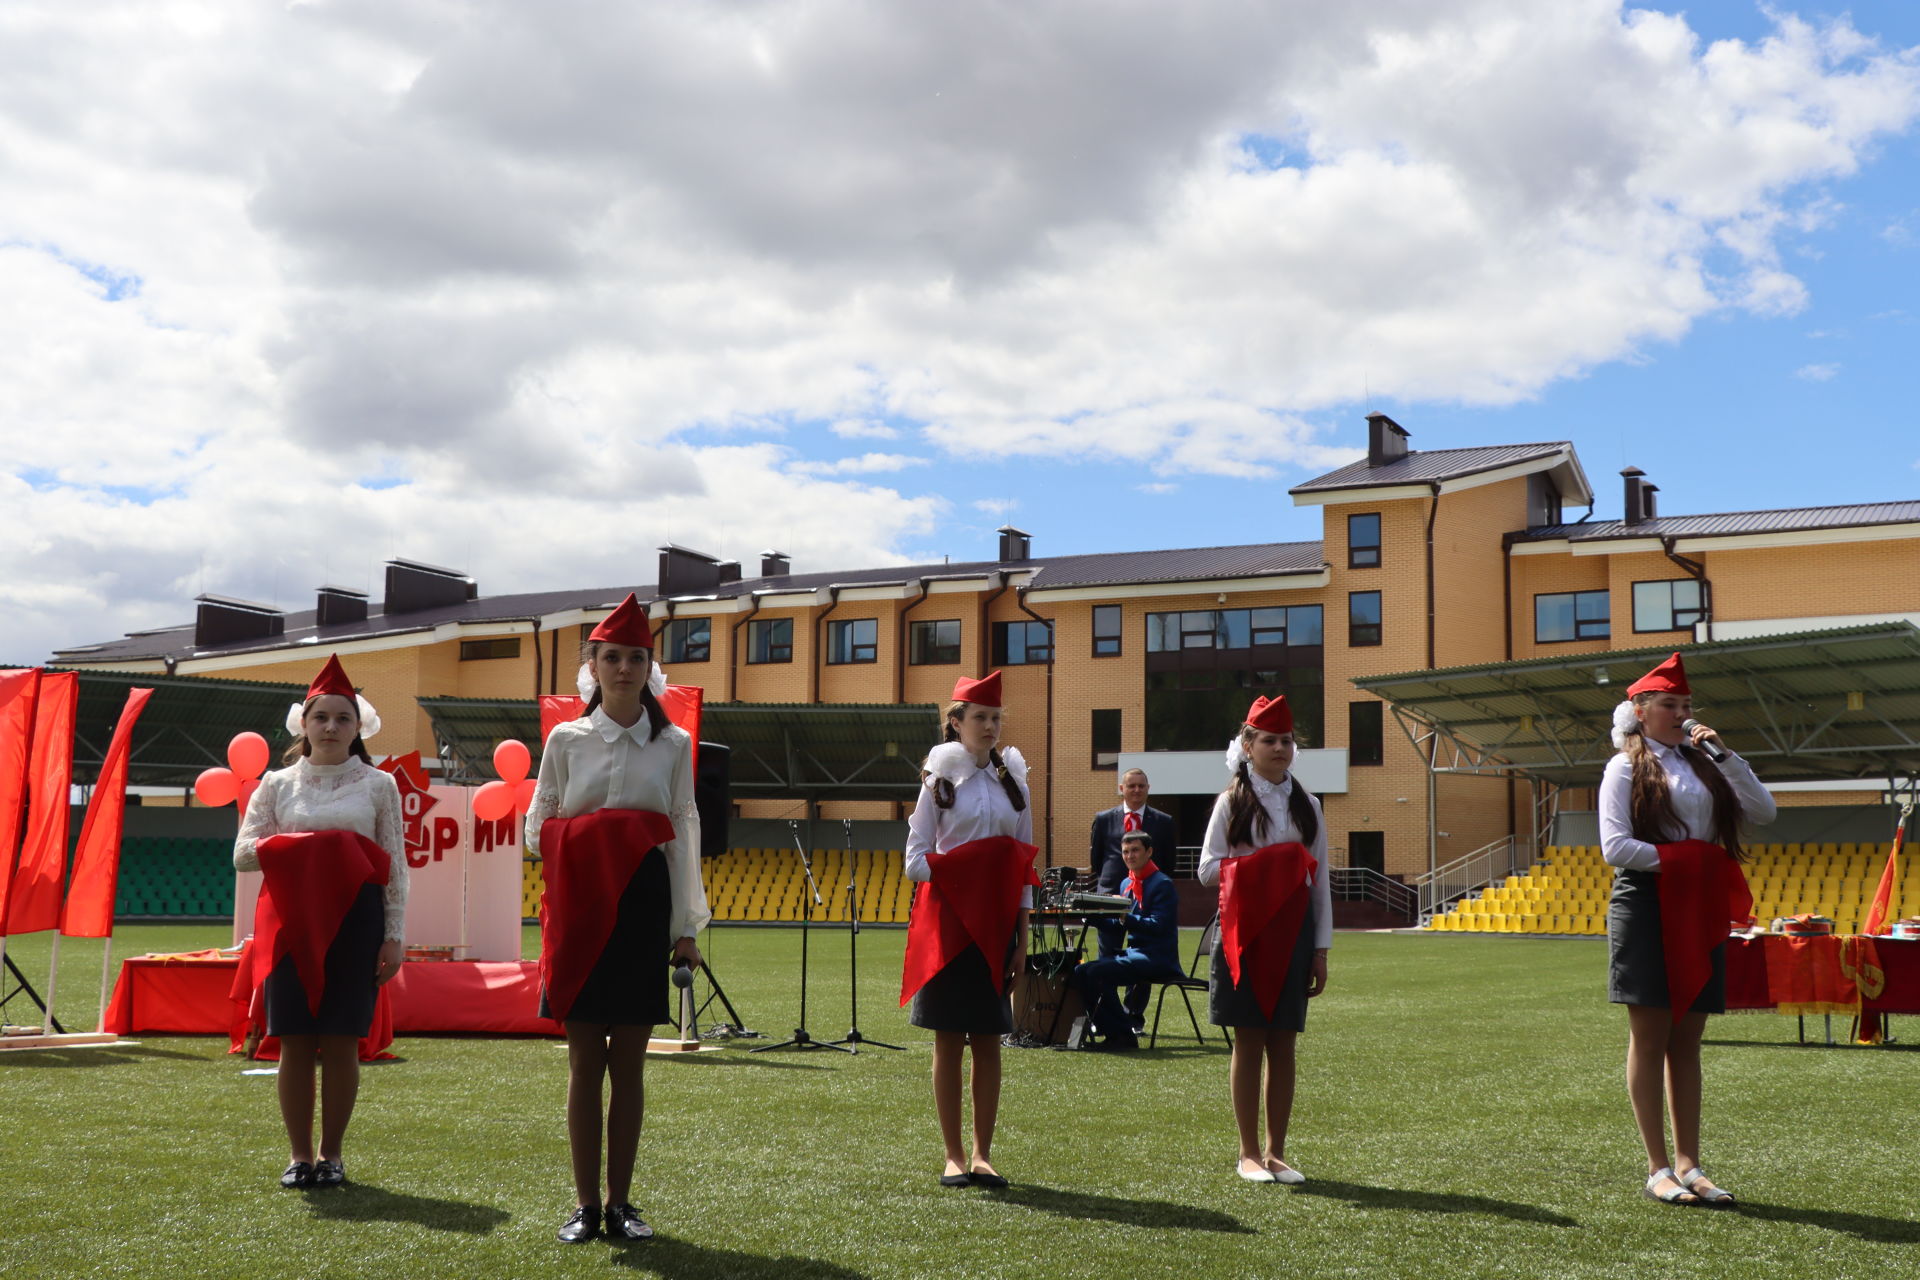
855,640
933,644
1571,615
481,650
1363,541
1363,618
770,640
686,640
1106,740
1106,630
1668,606
1018,644
1205,665
1366,736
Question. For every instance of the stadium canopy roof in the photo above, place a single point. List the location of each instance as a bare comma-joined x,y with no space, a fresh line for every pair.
826,751
186,725
1806,706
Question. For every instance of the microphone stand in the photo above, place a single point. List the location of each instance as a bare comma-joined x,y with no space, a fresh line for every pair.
854,1037
801,1040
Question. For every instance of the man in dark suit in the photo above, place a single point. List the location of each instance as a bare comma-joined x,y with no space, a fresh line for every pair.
1131,814
1142,945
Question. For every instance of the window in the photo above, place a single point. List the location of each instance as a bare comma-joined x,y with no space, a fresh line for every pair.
1367,849
1106,630
686,640
1205,665
1668,606
1366,739
770,640
1363,617
855,640
481,650
1106,740
1017,644
1571,615
933,644
1363,541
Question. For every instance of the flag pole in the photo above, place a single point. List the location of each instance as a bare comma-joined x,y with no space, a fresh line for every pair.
53,976
106,962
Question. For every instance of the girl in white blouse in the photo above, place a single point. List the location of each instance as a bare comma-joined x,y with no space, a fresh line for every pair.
331,784
1266,806
1662,788
623,754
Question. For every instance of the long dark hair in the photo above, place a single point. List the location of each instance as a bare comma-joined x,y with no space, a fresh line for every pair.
301,747
1247,820
943,788
656,714
1651,801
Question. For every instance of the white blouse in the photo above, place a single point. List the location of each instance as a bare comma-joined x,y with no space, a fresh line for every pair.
981,808
1273,797
1692,805
594,763
354,797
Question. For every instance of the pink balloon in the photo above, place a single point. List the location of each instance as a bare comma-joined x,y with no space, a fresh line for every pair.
247,787
216,787
511,760
523,795
247,755
493,802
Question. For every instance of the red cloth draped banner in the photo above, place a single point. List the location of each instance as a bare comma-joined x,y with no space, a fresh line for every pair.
96,859
313,878
1263,900
682,703
588,861
19,692
1702,892
1886,895
41,876
974,896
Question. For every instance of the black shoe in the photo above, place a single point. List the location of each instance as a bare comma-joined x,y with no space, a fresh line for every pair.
298,1174
956,1179
623,1223
329,1173
991,1181
583,1225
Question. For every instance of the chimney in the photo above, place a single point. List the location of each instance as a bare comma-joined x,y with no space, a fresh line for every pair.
413,587
1639,497
223,620
1015,544
339,605
729,571
775,564
686,572
1386,440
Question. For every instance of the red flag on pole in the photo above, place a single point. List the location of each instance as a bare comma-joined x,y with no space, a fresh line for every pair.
19,690
41,877
96,859
1883,908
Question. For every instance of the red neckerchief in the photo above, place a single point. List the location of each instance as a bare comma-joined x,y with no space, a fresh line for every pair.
587,862
1137,881
1263,899
974,896
313,878
1702,890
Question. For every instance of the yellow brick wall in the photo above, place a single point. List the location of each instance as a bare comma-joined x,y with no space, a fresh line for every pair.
1842,578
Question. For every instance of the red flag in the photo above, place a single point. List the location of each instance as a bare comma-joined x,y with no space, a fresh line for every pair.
19,690
681,702
1882,908
96,859
1263,902
314,877
589,862
973,896
1702,891
41,876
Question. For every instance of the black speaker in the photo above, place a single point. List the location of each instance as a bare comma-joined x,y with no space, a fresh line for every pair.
713,797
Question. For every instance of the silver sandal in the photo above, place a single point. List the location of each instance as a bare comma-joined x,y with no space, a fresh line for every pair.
1713,1196
1679,1195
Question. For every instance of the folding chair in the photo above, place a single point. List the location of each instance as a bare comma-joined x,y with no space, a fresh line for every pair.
1186,984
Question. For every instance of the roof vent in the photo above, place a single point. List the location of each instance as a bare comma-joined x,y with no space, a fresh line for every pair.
775,564
413,587
1640,506
729,571
338,606
1015,544
224,620
686,572
1386,440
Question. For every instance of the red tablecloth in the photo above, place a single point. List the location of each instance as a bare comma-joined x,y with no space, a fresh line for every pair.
1769,971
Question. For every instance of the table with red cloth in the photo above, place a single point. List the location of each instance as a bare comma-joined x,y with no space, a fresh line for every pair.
1790,975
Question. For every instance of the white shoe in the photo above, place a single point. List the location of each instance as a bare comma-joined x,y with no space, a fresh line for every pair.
1288,1176
1254,1175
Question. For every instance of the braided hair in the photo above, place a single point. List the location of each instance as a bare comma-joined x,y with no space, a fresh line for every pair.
943,788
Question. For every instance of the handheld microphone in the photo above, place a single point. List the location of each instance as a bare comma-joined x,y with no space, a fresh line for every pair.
682,973
1714,753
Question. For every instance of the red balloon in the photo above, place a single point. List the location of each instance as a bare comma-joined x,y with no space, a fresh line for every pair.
493,801
247,787
215,787
523,795
247,755
511,760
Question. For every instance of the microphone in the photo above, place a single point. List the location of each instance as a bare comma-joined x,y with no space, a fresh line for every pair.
1714,753
682,973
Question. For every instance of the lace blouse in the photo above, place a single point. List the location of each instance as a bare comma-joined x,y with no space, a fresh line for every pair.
593,763
1692,805
354,797
1274,797
980,809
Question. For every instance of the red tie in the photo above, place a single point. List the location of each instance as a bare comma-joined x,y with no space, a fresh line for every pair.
1132,823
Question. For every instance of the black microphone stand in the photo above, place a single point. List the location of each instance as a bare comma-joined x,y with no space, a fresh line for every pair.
854,1037
801,1040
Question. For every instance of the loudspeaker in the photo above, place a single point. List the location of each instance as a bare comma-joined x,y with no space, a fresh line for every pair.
713,797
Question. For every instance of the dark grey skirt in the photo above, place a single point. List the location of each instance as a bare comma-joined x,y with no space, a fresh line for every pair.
1637,953
346,1006
629,983
1231,1006
961,998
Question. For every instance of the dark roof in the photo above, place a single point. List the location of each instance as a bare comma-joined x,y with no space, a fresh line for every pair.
1423,465
1727,523
1194,564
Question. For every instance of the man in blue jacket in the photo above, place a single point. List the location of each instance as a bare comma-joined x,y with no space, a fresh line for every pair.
1145,944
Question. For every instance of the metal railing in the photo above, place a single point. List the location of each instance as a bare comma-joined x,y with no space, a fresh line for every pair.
1486,865
1364,884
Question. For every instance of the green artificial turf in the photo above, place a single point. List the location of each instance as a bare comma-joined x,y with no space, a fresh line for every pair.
1460,1113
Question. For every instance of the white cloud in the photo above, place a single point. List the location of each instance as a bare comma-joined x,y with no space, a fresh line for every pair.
862,429
1817,372
1160,487
865,464
994,506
